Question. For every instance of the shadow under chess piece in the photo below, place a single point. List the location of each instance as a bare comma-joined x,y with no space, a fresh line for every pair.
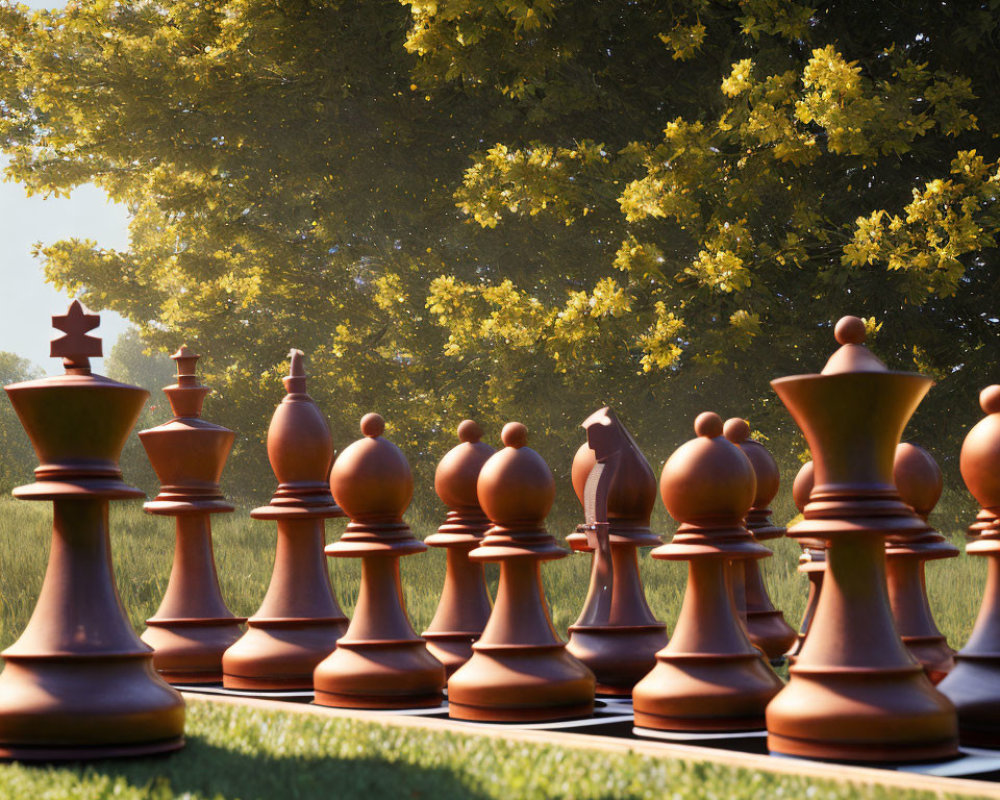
617,636
299,621
380,662
520,670
79,684
812,562
465,605
192,628
919,481
710,677
765,624
855,693
974,683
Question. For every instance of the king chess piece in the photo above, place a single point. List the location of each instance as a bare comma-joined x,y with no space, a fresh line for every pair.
520,670
765,624
299,621
79,684
465,605
855,693
616,636
710,677
974,683
380,662
919,481
812,562
192,628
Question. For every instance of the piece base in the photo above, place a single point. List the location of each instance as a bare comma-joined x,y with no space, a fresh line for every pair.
693,725
863,752
335,700
515,714
268,683
70,753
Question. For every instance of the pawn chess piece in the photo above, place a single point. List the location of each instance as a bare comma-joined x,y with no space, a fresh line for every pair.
710,677
465,604
812,562
765,624
984,521
618,644
919,481
79,684
855,693
299,622
520,670
974,683
380,662
192,628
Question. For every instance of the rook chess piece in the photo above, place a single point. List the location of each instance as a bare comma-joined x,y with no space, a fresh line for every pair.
812,562
79,684
520,670
710,677
192,628
619,640
465,605
380,662
765,624
299,621
855,693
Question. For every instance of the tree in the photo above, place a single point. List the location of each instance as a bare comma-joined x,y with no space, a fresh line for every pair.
18,456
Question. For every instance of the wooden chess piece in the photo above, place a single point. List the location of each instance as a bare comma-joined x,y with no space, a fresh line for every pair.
380,662
812,562
520,670
192,628
919,481
617,636
299,621
765,624
974,683
855,693
984,520
465,605
710,677
79,684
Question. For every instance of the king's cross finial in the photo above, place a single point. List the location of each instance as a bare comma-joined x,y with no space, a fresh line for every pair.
76,348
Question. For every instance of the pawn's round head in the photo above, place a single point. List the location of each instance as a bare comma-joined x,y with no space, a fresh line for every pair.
515,486
458,472
371,479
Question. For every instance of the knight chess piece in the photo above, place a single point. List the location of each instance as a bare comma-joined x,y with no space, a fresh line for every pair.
617,639
919,481
465,605
855,693
710,677
79,684
812,562
192,628
974,683
380,662
520,670
299,621
765,624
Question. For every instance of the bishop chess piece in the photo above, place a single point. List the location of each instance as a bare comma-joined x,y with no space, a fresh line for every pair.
710,677
855,693
79,684
380,662
616,636
465,605
765,624
812,562
192,628
520,670
299,621
974,683
919,481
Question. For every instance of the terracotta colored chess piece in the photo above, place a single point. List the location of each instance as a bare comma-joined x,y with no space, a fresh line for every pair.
465,605
710,677
617,636
379,662
984,520
765,624
192,628
919,481
520,670
812,562
974,683
79,684
855,693
299,621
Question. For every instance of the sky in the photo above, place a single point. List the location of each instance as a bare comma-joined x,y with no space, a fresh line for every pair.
27,303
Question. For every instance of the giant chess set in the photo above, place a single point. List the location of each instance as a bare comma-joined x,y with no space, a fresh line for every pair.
871,679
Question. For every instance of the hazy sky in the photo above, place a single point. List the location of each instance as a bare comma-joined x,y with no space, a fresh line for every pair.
26,301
